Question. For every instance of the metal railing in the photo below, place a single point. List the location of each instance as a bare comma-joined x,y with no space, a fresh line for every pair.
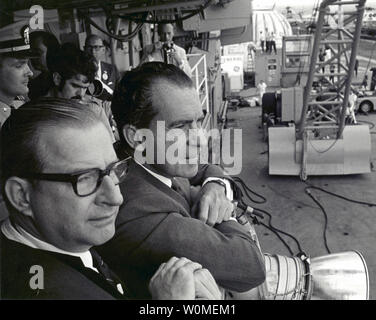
200,80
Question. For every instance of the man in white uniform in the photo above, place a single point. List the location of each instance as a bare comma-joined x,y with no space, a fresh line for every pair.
165,50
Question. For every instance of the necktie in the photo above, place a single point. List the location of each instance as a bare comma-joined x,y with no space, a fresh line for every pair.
178,187
175,185
106,272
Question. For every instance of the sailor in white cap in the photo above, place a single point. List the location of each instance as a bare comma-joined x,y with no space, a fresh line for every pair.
14,69
14,73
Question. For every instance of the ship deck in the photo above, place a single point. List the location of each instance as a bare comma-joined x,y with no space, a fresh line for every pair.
350,226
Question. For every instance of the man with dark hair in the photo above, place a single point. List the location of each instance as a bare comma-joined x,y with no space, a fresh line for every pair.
72,71
43,43
165,50
107,73
60,177
172,208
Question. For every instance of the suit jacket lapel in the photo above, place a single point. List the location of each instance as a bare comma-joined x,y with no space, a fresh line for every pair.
142,173
183,189
98,279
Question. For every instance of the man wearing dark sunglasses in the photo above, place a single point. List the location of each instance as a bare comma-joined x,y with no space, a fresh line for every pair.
60,178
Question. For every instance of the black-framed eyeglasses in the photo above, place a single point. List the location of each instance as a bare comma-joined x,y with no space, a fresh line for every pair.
87,182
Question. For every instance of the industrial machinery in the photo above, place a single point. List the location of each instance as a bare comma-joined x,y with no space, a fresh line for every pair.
311,137
339,276
336,276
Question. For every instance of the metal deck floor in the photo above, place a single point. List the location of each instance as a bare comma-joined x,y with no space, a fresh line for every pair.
350,226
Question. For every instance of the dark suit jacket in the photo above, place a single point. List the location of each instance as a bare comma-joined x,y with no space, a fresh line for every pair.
155,223
65,277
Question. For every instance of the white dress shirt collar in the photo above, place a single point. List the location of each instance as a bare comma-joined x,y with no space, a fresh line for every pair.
161,178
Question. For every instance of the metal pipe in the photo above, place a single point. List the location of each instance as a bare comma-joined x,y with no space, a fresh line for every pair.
312,67
361,8
113,42
130,46
159,6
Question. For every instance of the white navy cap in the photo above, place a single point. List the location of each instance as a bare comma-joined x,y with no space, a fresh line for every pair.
14,41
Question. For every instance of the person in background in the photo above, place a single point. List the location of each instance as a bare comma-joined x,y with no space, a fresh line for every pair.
42,43
332,70
165,50
71,74
261,88
356,67
267,40
373,79
107,73
262,41
350,110
15,73
46,45
272,43
364,83
328,56
322,59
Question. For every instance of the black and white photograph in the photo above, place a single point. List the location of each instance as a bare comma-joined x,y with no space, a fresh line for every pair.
215,152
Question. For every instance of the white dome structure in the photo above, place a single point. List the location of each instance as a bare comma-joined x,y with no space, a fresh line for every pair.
269,20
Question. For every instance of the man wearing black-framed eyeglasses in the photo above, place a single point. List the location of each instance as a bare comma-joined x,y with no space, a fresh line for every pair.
106,73
86,182
49,225
60,177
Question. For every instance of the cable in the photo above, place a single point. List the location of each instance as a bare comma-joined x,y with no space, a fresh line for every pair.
307,190
259,213
144,20
111,35
372,125
124,38
325,217
270,227
247,189
253,213
323,151
340,196
279,237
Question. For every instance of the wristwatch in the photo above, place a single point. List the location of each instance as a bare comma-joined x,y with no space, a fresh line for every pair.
220,182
